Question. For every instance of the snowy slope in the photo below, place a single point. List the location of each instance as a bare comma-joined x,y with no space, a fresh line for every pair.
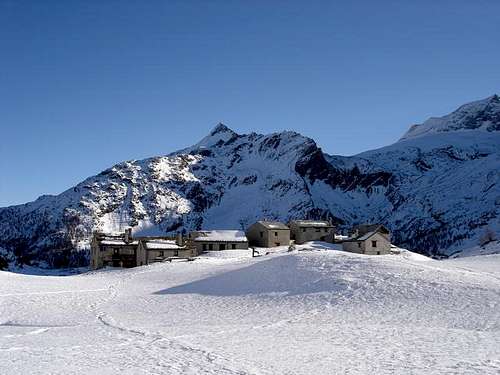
226,181
483,115
308,312
438,190
445,190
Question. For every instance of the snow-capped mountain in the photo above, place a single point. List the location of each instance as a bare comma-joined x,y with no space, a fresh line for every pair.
437,188
479,115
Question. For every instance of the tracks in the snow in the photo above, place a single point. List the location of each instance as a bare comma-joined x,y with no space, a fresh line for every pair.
166,354
179,355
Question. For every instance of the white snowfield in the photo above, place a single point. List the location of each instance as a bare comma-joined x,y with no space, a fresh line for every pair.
303,312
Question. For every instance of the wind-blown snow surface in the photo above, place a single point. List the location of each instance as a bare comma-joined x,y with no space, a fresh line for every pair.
321,312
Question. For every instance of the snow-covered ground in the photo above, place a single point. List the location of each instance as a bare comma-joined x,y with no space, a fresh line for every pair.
321,311
490,248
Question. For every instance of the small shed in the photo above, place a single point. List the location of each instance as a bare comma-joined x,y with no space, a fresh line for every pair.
214,240
303,231
371,239
268,234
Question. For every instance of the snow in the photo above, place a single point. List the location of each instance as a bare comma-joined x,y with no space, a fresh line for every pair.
223,255
220,133
459,191
341,237
317,310
118,242
469,117
222,236
162,245
436,192
313,223
487,249
273,225
364,236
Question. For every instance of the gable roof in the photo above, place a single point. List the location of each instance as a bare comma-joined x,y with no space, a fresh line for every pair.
363,235
273,224
366,228
366,236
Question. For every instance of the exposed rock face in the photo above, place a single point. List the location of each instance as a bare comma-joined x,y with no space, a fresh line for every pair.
436,189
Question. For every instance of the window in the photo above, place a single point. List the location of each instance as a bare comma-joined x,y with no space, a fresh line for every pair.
233,246
222,246
378,252
374,243
162,253
176,253
210,246
303,230
275,234
204,247
326,230
261,234
359,244
277,243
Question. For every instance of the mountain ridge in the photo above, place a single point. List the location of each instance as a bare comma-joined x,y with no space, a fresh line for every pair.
481,114
228,180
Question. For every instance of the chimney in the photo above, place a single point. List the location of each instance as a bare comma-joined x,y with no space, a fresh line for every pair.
179,241
128,235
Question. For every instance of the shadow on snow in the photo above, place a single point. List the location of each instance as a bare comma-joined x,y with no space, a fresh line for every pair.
284,275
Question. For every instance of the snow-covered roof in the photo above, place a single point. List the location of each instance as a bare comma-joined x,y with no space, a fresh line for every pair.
221,236
117,242
162,245
312,223
341,237
367,235
273,224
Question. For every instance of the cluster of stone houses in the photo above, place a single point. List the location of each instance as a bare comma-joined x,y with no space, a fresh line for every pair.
124,250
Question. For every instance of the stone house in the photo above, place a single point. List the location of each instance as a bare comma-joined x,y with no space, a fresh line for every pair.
116,250
122,250
302,231
152,250
371,239
268,234
215,240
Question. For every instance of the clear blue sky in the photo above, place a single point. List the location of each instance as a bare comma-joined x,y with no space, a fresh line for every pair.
86,84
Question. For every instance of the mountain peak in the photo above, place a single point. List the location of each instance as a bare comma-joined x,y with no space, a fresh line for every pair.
221,133
480,115
221,128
